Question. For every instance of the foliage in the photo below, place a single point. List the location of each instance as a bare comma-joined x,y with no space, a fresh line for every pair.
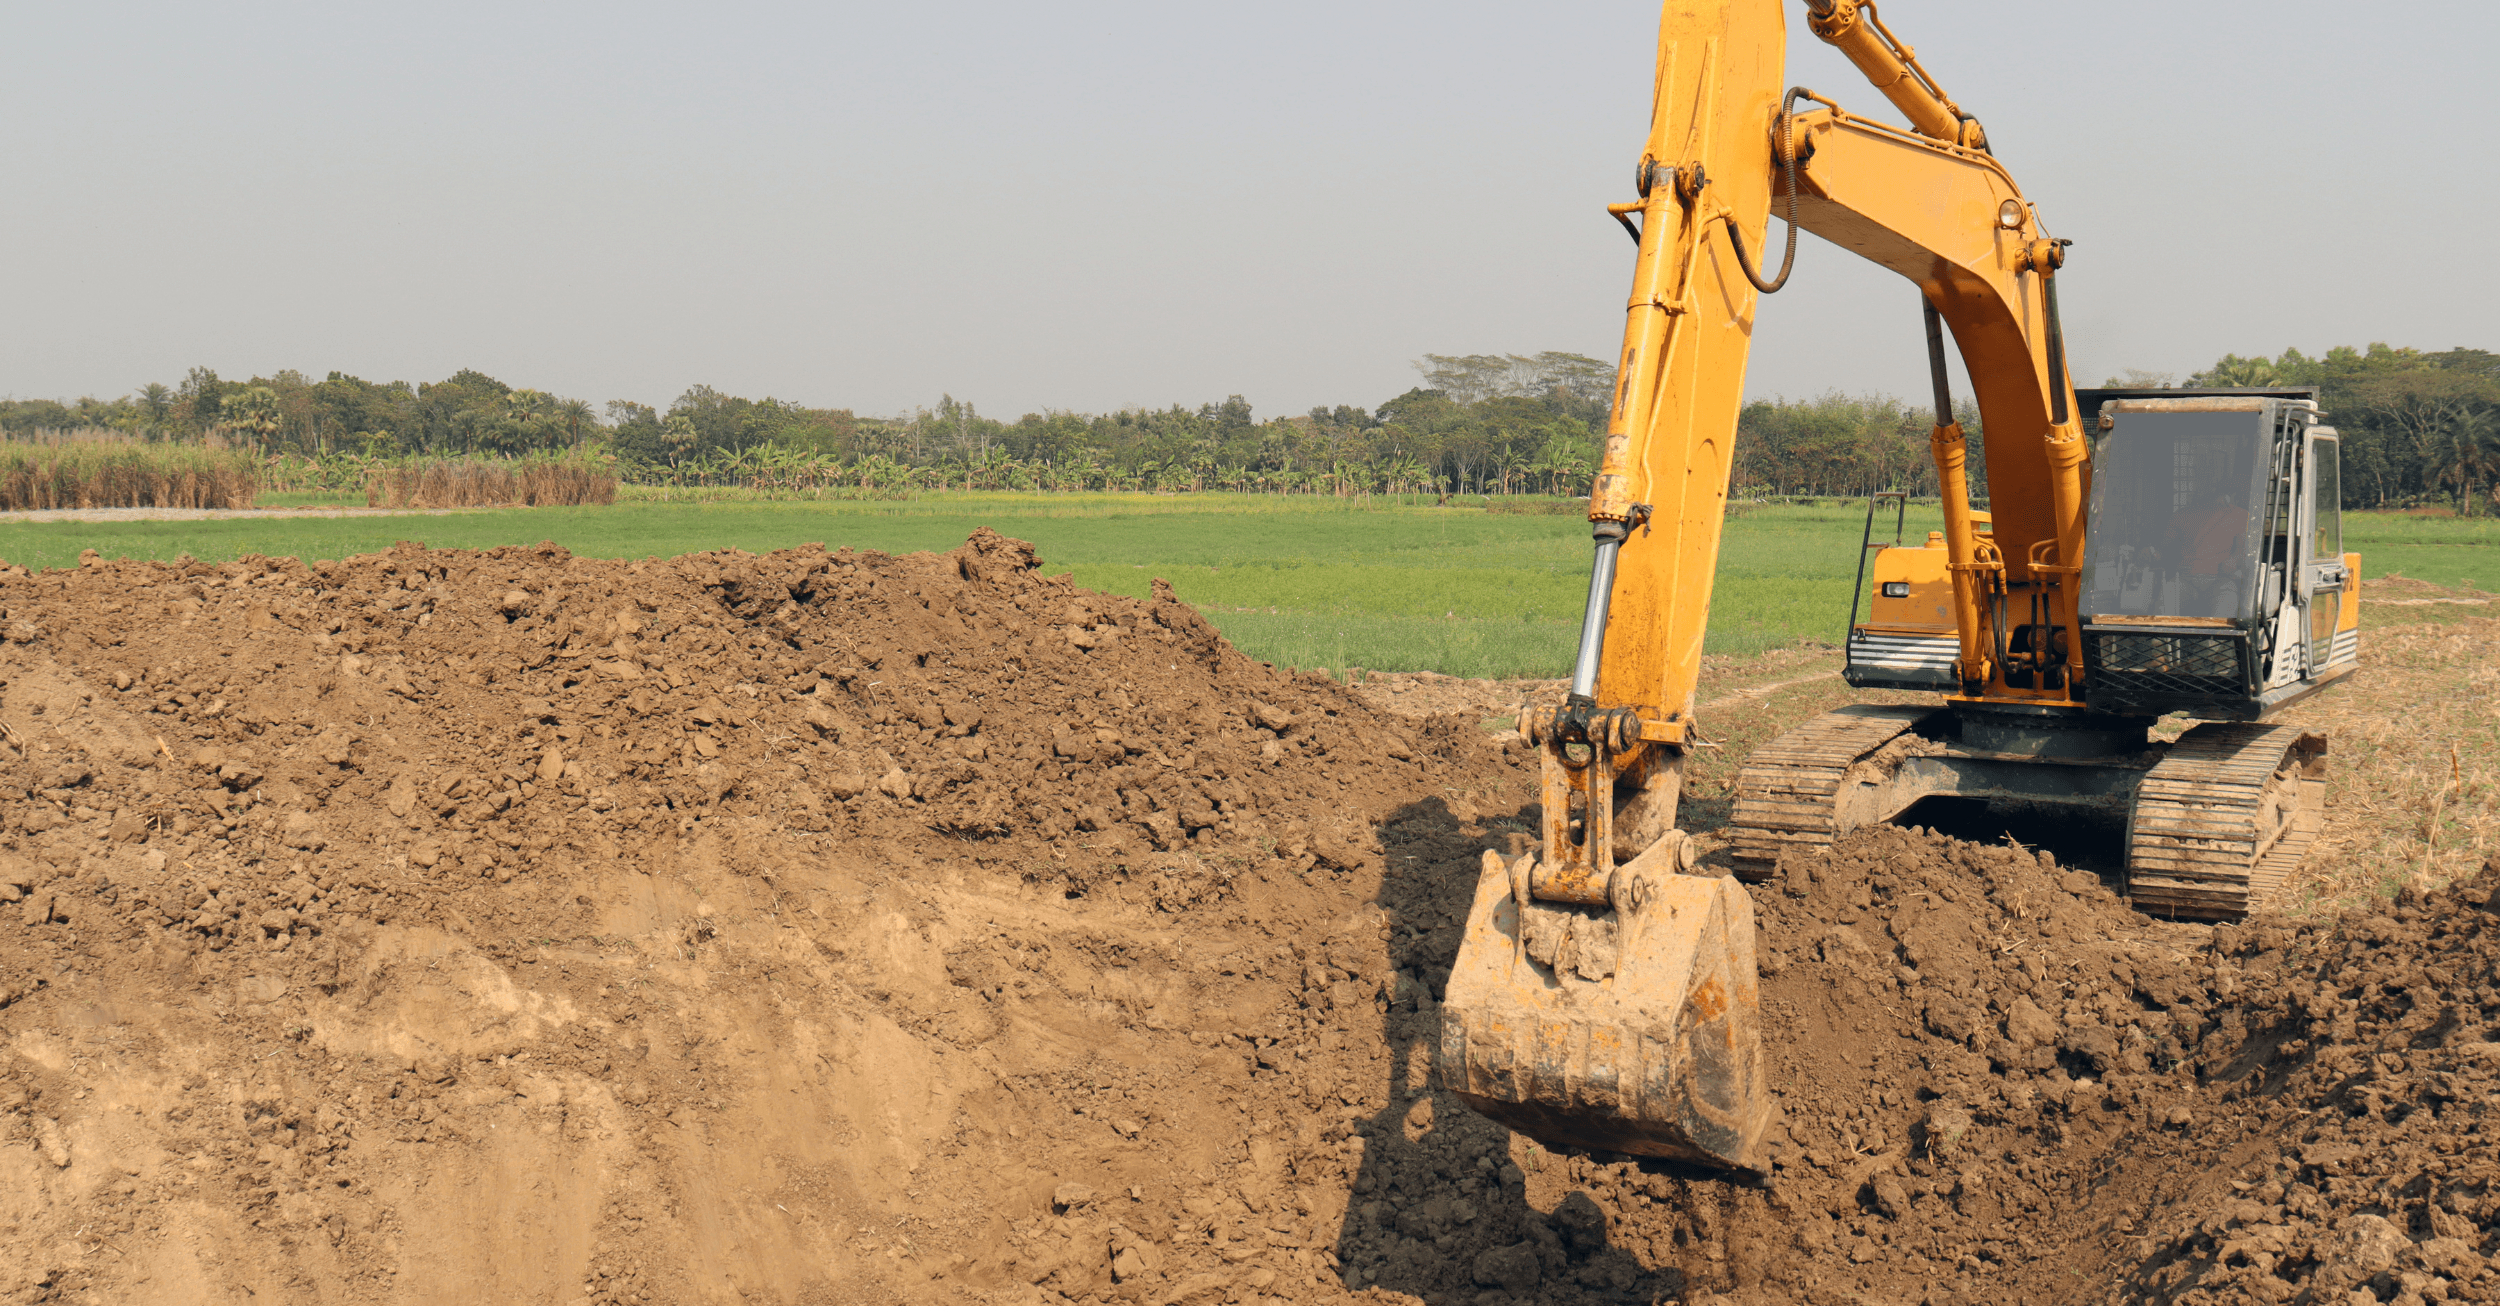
533,481
106,469
252,413
705,423
285,414
2418,427
1847,446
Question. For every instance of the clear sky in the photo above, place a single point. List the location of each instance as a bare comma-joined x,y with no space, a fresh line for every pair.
1096,204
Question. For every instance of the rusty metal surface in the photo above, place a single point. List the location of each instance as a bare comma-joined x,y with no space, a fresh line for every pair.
1601,812
1580,868
1633,1029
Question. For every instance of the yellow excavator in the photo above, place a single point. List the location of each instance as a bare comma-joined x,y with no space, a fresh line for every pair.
2143,553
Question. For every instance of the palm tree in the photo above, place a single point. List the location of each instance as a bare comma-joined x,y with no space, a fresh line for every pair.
678,434
2463,454
575,412
252,412
1515,468
156,406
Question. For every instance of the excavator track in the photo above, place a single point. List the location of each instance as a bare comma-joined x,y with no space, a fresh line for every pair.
2223,818
1788,794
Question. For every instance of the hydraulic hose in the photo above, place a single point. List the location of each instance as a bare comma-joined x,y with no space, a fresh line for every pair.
1788,161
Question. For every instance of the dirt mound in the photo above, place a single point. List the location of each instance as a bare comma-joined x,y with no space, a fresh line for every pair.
2365,1044
960,695
2245,1113
1999,1083
371,919
830,927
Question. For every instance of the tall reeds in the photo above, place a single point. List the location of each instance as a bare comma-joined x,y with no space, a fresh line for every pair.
109,469
533,481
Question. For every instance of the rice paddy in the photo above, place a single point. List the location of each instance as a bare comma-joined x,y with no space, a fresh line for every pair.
1297,580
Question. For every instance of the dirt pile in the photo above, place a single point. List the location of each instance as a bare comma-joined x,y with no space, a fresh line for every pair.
2246,1113
1999,1083
368,921
249,708
1953,1028
2367,1047
826,927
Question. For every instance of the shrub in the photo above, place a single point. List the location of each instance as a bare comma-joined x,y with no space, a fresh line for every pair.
108,469
537,482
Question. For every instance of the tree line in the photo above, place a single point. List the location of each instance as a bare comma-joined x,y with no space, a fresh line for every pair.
2419,428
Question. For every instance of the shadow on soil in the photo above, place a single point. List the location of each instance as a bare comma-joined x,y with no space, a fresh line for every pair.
1441,1206
2080,840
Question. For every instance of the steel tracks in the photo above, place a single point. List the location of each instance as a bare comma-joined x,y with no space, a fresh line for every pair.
2213,827
1788,795
2221,820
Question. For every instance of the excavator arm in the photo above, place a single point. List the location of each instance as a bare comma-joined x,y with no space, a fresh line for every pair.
1725,150
1601,999
1951,219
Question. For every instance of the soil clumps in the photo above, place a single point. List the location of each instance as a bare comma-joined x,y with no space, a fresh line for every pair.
1997,1082
830,927
368,921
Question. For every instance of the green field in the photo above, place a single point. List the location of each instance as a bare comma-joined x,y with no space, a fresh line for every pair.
2458,551
1292,580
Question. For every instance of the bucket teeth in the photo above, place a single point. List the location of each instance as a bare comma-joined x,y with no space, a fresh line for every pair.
1629,1030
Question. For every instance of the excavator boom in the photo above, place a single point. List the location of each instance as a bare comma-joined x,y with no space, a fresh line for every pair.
1602,1006
1605,998
1602,997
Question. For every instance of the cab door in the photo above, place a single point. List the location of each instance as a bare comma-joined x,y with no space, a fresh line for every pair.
2323,575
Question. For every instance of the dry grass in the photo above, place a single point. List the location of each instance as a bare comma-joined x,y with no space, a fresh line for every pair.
491,482
107,469
2414,753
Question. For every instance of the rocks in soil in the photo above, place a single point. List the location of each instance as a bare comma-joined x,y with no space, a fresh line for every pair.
934,921
2045,1082
334,886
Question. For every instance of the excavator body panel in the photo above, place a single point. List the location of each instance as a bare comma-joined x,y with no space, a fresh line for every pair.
1908,640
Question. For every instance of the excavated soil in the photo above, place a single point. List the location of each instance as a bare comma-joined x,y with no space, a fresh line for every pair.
829,927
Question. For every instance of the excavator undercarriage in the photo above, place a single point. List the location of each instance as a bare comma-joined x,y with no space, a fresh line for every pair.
2213,821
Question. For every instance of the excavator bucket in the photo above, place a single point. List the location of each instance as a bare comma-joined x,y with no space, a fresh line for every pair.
1631,1028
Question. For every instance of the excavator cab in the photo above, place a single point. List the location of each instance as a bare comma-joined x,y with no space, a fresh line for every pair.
2217,585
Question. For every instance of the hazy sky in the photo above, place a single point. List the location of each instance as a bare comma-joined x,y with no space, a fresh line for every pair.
1092,205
